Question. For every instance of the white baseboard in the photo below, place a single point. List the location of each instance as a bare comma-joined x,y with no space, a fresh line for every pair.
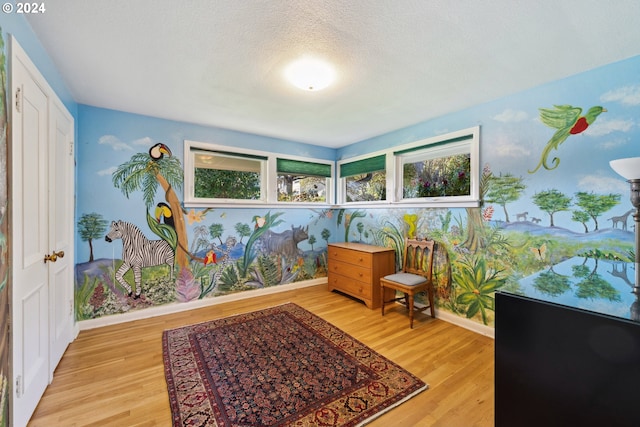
178,307
466,323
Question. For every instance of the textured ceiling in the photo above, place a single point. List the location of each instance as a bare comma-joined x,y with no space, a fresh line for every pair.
400,62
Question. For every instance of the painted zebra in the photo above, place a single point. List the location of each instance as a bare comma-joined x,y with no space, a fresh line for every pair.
138,252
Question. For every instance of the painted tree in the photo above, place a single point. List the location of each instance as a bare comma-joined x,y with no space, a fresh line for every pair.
504,189
475,224
91,226
200,238
215,231
360,228
311,240
144,172
551,202
325,234
596,204
243,230
581,217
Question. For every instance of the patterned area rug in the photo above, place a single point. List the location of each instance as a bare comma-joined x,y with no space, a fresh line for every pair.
282,366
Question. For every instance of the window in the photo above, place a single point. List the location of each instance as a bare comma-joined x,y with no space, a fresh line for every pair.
217,174
439,169
301,181
364,180
442,171
227,176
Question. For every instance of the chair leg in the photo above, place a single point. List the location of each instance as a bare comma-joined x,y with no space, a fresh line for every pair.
406,300
383,302
431,298
410,311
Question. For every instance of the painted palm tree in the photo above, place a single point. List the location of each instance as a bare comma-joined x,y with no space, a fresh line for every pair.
144,171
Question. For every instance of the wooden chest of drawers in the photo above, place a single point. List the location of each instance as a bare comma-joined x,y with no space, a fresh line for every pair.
355,269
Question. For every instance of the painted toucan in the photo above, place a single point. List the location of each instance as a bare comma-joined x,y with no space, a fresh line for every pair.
158,151
164,211
568,121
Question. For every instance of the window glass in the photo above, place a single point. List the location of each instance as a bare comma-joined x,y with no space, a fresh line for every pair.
300,181
365,180
227,176
437,177
443,169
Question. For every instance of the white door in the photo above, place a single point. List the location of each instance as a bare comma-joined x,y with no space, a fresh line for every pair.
61,176
42,290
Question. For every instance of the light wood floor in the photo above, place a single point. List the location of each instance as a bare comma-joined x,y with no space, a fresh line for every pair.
113,376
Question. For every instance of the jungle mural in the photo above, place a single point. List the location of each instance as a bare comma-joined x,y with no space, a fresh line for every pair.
560,227
477,254
168,268
218,261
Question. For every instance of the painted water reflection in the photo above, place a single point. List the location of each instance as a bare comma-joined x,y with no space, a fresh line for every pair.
591,284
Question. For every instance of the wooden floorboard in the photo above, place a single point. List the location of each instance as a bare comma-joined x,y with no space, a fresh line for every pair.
113,376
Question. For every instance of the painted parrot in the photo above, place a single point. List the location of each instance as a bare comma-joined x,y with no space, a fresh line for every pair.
568,121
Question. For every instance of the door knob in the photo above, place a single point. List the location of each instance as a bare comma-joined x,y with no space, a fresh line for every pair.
54,256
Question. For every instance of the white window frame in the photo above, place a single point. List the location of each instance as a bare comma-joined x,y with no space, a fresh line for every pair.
329,185
268,178
466,141
342,190
458,142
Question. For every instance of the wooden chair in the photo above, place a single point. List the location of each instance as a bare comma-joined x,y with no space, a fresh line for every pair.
415,277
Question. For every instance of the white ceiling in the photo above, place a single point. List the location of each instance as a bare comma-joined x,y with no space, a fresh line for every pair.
400,62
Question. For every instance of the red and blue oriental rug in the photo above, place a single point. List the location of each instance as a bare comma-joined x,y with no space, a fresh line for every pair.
282,366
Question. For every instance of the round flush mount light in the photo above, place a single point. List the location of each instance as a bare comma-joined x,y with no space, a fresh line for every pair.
310,74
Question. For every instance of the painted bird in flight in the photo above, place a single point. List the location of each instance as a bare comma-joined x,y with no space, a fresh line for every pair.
568,121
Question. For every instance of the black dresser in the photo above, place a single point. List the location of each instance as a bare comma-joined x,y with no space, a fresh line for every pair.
558,365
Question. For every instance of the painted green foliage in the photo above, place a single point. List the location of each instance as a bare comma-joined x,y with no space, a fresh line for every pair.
478,284
476,256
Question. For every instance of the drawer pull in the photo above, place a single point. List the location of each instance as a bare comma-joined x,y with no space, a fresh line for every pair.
361,259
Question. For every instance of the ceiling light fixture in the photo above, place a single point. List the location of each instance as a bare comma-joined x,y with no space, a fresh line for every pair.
310,74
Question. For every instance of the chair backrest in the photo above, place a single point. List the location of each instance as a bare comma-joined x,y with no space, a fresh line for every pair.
418,257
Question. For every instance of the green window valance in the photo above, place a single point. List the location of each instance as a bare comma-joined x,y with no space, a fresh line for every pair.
297,167
371,164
